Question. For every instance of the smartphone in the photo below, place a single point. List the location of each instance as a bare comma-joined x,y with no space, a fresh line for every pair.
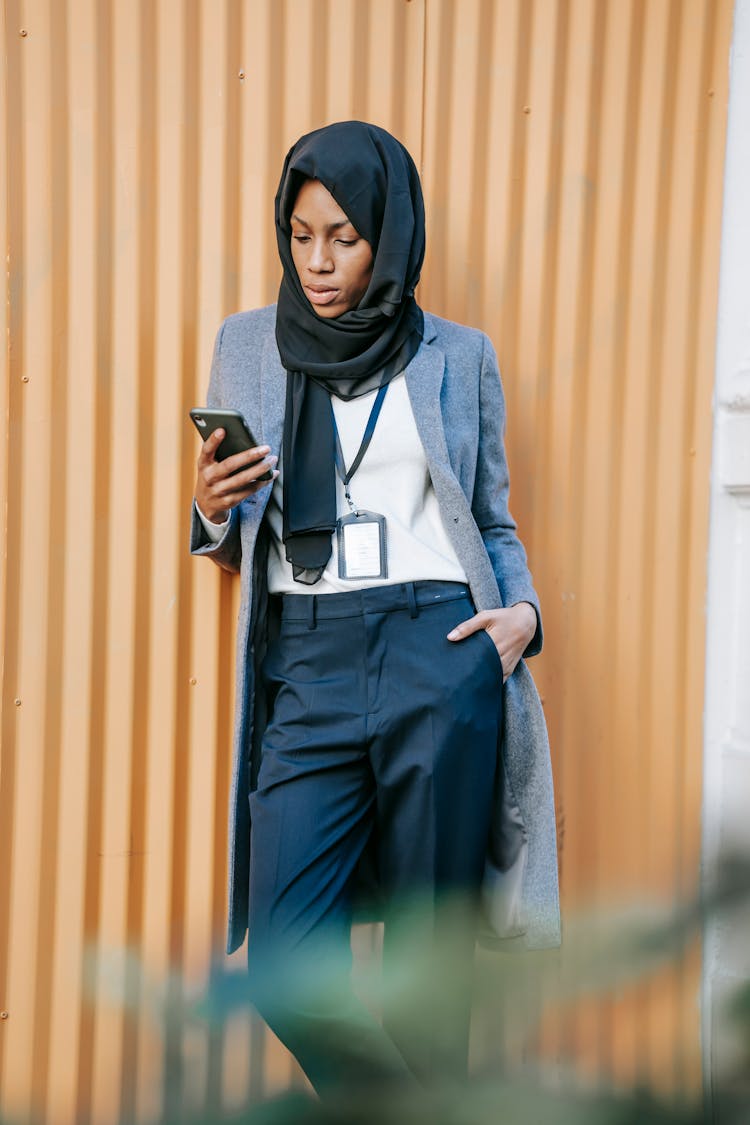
238,435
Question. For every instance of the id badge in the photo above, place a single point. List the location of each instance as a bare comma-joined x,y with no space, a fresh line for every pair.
361,546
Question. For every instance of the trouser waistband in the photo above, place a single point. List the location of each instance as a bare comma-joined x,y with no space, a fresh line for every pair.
370,599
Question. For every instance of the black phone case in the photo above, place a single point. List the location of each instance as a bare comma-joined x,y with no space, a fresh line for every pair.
238,435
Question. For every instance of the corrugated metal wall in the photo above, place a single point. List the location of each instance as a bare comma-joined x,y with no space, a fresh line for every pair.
572,160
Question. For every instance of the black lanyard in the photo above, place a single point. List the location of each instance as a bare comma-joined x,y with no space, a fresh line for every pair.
364,445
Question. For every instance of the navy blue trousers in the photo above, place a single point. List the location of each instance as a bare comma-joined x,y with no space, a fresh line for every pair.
382,736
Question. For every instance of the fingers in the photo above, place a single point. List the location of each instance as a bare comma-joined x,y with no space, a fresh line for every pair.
224,484
222,481
208,450
209,447
471,625
257,457
508,652
215,471
237,487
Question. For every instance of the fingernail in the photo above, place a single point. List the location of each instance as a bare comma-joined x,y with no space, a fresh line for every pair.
272,460
453,635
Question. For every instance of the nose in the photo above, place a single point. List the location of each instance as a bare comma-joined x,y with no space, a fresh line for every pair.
320,258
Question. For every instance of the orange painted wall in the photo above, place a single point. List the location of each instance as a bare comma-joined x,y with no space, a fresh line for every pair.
572,157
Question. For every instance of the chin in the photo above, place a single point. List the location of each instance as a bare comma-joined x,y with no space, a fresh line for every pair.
329,312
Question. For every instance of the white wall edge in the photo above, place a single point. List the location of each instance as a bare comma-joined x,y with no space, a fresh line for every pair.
726,776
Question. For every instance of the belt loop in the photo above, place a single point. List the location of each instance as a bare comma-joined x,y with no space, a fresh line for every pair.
411,597
311,599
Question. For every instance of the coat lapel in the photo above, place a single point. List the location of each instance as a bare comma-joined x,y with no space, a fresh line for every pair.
424,381
272,396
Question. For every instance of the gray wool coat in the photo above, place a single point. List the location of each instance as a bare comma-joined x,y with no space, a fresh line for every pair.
456,396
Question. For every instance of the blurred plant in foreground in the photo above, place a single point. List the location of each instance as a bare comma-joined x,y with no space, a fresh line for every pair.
601,953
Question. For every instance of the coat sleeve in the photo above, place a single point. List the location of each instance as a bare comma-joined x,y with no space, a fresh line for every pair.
227,552
490,498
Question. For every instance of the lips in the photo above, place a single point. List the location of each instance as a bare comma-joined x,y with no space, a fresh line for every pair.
320,294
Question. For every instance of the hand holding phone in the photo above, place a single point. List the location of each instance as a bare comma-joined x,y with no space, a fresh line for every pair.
231,464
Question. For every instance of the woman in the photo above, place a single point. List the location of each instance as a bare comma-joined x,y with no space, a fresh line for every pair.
385,601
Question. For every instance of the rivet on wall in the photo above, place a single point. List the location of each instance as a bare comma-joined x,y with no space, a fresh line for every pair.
241,76
23,32
17,701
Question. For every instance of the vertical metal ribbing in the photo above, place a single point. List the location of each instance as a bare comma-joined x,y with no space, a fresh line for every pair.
572,164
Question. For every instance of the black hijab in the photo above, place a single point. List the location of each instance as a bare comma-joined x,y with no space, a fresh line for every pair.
375,182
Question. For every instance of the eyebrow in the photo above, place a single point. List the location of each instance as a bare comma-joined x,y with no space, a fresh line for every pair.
331,226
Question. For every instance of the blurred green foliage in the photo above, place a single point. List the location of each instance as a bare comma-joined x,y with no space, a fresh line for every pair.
602,952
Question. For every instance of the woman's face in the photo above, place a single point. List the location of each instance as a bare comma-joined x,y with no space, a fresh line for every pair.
333,261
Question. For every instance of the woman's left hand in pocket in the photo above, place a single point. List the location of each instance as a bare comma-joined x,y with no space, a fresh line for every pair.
510,629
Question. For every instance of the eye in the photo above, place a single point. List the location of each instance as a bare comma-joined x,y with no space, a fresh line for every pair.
301,237
347,241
